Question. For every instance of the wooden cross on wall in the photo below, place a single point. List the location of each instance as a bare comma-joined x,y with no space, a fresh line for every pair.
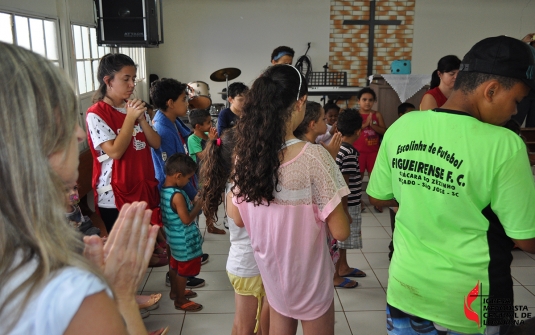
372,22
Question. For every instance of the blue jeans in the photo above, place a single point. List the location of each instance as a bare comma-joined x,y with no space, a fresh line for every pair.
401,323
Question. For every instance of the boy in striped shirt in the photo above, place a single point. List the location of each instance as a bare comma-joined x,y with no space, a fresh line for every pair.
349,125
179,216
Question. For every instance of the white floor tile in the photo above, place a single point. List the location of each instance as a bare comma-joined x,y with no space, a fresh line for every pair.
374,232
375,244
364,299
377,260
531,289
524,297
525,275
521,258
214,281
367,322
370,221
382,275
207,324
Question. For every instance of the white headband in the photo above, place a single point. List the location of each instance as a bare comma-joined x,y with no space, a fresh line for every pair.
300,79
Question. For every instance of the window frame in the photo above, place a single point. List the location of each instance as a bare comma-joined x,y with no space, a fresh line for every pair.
92,59
29,16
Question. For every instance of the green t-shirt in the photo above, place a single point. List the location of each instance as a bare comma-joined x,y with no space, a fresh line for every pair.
195,145
444,168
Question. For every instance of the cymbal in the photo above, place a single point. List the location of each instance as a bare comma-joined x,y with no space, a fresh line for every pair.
230,72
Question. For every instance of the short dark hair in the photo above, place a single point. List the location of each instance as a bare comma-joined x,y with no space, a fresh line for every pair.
402,109
312,113
366,90
289,51
164,89
236,89
198,116
180,163
331,105
467,82
349,121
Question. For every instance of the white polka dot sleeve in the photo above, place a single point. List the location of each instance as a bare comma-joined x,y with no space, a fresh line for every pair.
99,131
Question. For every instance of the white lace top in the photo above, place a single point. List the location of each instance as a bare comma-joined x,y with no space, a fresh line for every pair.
289,236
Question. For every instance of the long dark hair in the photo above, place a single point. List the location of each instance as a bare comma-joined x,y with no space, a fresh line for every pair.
445,64
215,171
108,66
261,132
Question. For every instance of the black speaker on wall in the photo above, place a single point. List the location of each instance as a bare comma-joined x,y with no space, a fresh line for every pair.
129,23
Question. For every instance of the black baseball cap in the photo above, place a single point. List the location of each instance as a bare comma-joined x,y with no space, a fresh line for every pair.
503,56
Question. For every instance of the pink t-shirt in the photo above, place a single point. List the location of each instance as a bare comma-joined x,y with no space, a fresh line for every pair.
289,237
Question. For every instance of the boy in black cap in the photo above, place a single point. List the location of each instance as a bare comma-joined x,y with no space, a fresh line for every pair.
465,193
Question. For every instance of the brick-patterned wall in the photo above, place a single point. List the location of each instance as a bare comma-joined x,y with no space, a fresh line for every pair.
349,44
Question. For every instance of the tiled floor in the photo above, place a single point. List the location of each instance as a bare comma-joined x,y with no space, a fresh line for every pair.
358,311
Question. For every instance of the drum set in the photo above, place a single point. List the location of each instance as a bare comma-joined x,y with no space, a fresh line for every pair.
199,92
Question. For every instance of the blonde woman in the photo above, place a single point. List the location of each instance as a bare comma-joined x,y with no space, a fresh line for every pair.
46,285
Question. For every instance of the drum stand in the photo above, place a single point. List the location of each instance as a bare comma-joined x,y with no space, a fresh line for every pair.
225,74
227,104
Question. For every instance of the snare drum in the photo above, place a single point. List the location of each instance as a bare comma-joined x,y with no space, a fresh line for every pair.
199,95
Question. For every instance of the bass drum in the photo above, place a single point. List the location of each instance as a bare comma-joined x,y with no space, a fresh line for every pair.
199,95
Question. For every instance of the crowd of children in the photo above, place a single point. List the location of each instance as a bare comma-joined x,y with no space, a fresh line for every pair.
290,174
317,145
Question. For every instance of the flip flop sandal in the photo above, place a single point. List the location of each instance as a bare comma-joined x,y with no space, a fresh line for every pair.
187,293
152,302
189,306
355,273
345,282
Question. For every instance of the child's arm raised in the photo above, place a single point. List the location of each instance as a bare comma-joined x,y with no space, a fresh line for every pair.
334,146
380,126
181,207
338,222
212,135
116,148
152,136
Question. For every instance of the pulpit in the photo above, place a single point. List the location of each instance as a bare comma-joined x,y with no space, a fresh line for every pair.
393,89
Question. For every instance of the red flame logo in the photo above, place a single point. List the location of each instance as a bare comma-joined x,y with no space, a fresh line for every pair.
468,300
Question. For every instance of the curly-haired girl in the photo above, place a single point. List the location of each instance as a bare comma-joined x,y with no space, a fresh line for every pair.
241,265
285,190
